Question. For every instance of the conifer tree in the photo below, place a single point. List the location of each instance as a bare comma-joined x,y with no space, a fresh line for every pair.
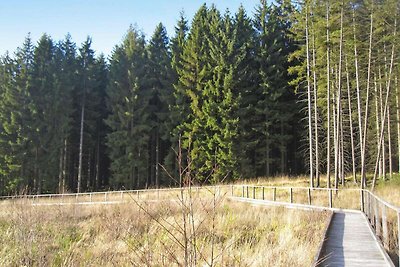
128,119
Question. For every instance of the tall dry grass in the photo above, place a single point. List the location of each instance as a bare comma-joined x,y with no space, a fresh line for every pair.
151,234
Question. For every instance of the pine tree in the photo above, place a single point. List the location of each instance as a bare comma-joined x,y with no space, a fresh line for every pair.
245,87
127,101
161,98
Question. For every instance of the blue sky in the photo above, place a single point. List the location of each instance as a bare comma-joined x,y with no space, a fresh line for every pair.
106,21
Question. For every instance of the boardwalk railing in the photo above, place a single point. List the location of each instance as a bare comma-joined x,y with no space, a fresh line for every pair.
383,217
107,196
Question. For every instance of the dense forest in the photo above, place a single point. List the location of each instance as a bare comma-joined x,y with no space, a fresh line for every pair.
292,88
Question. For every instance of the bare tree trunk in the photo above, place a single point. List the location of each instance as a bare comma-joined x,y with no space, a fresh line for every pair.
389,143
81,147
377,119
335,132
89,174
342,170
398,124
359,109
339,99
351,125
65,165
157,160
328,93
386,105
283,152
363,171
310,135
382,119
60,171
97,177
315,113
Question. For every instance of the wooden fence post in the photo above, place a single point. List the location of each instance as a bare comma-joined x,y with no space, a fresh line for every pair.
274,194
254,192
377,220
263,193
385,233
362,200
291,194
247,191
309,196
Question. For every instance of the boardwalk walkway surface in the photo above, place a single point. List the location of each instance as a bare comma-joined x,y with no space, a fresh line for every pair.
350,242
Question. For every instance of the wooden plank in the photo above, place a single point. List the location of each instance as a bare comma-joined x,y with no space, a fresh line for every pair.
350,242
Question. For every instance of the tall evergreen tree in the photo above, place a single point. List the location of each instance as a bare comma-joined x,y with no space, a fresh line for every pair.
128,119
160,86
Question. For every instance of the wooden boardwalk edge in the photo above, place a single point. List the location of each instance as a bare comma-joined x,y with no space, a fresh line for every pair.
381,248
321,246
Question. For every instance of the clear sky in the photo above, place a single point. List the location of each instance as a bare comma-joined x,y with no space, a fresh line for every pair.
106,21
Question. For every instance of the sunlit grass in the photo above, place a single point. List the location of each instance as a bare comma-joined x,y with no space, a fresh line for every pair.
227,234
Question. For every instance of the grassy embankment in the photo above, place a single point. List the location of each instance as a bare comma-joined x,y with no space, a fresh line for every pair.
217,232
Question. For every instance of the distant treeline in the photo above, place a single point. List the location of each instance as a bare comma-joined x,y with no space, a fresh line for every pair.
228,96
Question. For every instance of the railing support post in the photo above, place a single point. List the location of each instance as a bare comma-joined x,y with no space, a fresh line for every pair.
247,191
274,194
232,190
263,193
291,195
377,220
385,233
330,198
309,196
362,208
242,190
254,192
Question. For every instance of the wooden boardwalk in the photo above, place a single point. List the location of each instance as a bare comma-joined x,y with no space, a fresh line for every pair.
350,242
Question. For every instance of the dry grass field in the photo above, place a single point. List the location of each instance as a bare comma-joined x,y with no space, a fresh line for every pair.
206,231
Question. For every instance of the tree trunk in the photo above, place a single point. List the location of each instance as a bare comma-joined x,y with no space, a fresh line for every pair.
88,172
97,177
328,101
81,147
363,171
315,113
377,119
353,161
310,135
382,121
359,109
335,132
389,143
157,159
386,105
398,124
64,165
60,170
